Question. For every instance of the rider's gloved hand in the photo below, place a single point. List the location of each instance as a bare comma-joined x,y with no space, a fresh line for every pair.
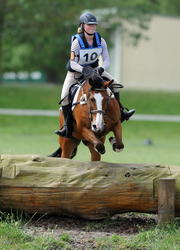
100,70
88,72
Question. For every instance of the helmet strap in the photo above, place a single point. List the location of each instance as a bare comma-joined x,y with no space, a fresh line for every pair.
88,33
85,30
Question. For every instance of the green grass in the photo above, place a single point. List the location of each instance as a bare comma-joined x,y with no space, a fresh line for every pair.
35,135
47,97
166,238
151,102
13,235
29,96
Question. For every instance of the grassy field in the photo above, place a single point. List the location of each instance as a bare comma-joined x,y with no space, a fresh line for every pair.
35,135
18,234
47,97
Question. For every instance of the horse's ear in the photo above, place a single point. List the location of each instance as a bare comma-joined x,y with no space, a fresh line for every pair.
108,84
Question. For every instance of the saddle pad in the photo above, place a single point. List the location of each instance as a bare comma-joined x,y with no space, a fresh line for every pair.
74,95
74,100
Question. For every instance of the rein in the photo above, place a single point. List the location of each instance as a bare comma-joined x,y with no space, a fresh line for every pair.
84,99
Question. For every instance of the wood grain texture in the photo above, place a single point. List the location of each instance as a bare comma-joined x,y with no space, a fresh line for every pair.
166,200
90,190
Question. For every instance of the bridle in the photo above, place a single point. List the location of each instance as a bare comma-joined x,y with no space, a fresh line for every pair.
97,111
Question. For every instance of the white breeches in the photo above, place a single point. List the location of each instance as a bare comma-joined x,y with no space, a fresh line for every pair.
72,77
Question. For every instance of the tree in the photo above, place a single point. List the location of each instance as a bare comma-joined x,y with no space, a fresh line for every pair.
168,7
35,35
2,15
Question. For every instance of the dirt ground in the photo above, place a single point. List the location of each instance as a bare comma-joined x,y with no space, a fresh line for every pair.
83,232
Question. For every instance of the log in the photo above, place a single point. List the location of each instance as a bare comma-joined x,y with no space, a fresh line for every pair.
92,190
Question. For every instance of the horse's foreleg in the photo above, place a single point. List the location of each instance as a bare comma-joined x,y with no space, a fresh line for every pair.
67,147
90,137
95,156
67,151
117,144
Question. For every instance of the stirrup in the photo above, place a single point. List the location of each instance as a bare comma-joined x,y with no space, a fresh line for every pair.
65,132
127,114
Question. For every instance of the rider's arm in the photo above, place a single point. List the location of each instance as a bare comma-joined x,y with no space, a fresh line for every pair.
75,56
105,54
75,48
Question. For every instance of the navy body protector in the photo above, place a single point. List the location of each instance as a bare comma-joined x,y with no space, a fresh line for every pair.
84,45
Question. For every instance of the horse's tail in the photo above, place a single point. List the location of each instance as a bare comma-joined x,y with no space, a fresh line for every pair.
57,153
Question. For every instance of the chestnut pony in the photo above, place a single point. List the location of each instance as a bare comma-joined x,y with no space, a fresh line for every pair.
95,113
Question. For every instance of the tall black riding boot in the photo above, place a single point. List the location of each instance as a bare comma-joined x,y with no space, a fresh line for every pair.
66,131
125,113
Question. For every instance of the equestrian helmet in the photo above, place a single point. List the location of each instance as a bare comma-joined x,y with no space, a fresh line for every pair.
88,18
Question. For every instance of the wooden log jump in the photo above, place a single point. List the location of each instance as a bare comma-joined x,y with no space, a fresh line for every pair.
166,200
92,190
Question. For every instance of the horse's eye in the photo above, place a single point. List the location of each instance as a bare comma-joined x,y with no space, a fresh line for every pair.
93,99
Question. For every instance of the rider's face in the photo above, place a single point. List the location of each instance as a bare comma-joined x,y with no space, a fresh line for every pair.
90,28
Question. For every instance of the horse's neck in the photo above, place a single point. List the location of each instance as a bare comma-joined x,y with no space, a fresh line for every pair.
85,88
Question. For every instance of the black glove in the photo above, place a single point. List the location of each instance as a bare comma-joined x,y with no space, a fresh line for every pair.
88,72
100,70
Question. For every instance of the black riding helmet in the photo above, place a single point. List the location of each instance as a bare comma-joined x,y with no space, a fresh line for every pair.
88,18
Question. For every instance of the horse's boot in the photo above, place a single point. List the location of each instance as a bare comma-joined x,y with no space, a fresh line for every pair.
125,113
66,131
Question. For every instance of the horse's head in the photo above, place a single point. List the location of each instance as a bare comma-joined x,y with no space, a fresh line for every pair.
97,82
98,99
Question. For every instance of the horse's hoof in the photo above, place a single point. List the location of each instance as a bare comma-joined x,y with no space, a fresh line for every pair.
116,148
100,148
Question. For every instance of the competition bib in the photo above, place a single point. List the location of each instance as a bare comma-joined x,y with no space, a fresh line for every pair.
89,55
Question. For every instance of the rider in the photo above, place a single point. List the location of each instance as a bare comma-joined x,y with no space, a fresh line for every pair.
86,48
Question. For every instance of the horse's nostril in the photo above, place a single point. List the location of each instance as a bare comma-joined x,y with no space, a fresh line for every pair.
94,126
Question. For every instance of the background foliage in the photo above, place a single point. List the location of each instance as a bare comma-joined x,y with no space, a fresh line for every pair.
35,134
35,35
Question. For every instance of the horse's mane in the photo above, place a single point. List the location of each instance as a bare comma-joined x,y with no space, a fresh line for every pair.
96,81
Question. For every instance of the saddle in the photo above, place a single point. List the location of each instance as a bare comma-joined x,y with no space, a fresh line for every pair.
73,89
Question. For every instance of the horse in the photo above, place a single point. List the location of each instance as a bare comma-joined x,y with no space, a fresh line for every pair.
95,113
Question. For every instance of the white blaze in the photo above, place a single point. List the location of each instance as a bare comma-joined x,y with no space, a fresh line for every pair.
99,122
